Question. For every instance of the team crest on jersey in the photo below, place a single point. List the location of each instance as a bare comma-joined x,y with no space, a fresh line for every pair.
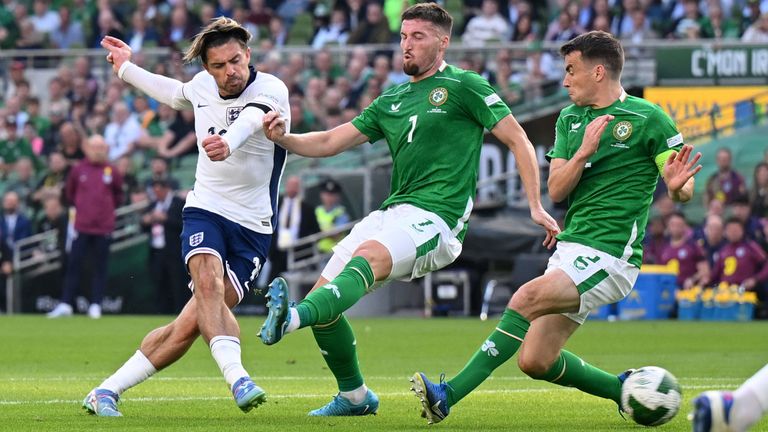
438,96
622,131
196,238
232,114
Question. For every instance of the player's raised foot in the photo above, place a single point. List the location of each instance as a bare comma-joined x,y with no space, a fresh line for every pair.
712,412
433,397
278,317
623,377
102,402
247,394
341,406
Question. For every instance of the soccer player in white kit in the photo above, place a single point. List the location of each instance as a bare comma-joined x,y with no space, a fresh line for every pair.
228,217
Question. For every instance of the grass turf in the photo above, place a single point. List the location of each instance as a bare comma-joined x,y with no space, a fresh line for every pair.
47,367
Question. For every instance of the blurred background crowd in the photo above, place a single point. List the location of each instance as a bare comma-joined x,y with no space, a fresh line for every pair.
51,104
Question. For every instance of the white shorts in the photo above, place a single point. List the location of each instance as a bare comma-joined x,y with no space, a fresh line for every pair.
417,240
600,278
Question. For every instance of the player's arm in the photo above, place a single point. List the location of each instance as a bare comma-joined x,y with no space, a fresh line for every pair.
678,171
163,89
564,174
313,144
509,131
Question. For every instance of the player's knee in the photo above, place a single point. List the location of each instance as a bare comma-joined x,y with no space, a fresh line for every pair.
377,256
525,300
533,366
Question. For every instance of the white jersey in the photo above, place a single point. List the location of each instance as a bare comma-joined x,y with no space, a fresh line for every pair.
243,188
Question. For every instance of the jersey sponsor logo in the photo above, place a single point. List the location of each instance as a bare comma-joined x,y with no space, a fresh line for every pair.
575,127
675,140
492,99
489,347
622,130
438,96
232,114
395,107
196,238
422,224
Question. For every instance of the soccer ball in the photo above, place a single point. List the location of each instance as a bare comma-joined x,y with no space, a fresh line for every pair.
651,396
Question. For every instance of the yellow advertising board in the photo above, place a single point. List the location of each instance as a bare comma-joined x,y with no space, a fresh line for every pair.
696,110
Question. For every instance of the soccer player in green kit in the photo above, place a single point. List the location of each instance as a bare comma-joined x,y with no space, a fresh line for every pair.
609,151
434,127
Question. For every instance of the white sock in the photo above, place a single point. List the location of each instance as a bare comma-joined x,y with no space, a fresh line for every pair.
137,369
226,352
750,401
356,396
295,321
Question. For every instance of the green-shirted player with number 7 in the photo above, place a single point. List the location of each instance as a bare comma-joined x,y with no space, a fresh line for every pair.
434,127
609,151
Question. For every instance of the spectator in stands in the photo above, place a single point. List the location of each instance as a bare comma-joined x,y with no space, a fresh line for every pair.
690,25
41,124
95,188
51,184
396,74
726,184
523,30
17,74
23,182
489,26
356,13
29,38
719,26
122,132
654,241
107,25
711,238
180,139
55,217
9,31
278,32
82,69
12,148
16,224
684,254
758,31
6,267
562,29
158,168
330,214
162,220
141,34
179,29
127,171
296,219
742,210
758,195
70,140
13,111
58,103
259,14
741,261
44,19
332,31
640,29
68,34
375,28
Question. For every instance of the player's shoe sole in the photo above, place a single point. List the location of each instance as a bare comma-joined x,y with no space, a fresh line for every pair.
102,403
247,394
433,398
341,406
274,326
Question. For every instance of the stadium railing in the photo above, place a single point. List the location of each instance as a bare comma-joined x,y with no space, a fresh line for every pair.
39,253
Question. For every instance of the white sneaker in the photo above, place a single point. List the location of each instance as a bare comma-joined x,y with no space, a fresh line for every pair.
94,311
61,310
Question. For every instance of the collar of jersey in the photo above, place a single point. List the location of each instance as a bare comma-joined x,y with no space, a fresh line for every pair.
251,79
622,98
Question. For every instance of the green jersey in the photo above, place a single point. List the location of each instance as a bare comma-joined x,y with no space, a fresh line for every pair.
608,208
434,129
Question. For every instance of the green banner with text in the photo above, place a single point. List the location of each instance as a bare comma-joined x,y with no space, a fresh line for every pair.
708,66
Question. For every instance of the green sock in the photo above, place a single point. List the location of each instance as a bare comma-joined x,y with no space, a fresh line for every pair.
500,346
332,299
337,343
571,371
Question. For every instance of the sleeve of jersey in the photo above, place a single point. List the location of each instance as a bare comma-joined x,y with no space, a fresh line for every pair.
248,122
664,138
368,122
559,151
482,102
165,90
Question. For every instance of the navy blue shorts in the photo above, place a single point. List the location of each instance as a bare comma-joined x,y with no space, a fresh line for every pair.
241,250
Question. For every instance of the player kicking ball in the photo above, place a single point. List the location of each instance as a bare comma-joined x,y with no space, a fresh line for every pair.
228,216
609,151
434,127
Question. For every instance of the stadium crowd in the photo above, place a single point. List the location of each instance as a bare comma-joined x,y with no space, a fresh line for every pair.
44,124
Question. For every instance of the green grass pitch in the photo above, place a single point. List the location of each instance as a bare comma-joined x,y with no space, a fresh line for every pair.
47,367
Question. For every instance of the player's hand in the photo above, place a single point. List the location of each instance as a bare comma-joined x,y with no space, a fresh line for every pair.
679,169
119,51
216,148
274,126
541,217
592,135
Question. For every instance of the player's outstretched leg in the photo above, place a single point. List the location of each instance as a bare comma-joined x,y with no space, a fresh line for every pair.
278,316
102,402
433,397
738,411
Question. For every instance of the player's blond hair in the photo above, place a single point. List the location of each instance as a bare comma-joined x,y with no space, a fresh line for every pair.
218,32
